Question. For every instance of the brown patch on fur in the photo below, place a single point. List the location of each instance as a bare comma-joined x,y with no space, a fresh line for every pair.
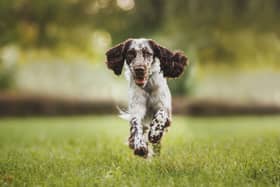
172,64
130,55
167,123
155,139
116,56
179,62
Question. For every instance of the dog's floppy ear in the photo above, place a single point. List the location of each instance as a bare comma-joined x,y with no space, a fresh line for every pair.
172,64
116,56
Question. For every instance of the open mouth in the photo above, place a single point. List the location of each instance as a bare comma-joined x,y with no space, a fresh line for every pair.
140,81
140,76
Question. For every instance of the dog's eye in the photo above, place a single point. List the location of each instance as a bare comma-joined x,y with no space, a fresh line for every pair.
130,55
147,54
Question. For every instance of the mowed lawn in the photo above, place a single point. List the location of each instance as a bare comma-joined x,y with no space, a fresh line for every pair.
91,151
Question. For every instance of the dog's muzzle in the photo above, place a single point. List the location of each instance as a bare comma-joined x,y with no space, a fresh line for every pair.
140,75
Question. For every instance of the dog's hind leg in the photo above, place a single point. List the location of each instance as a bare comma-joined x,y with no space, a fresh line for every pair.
156,148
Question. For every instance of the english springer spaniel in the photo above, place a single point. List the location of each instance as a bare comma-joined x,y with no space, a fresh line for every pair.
149,112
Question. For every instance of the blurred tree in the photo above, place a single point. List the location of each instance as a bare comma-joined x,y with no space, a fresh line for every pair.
47,23
219,31
6,77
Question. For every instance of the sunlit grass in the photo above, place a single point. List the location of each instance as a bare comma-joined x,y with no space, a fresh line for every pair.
91,151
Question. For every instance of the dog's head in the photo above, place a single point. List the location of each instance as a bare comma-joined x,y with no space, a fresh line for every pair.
140,54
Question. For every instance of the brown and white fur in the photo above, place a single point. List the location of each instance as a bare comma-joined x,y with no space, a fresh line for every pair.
147,66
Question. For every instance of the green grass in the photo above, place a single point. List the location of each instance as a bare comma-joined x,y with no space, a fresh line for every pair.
91,151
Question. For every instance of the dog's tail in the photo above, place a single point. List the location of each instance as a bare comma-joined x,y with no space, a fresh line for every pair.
124,114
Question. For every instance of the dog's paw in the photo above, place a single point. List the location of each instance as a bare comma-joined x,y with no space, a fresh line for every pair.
155,135
141,151
140,147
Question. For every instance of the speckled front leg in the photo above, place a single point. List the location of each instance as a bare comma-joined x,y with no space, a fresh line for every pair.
137,139
159,123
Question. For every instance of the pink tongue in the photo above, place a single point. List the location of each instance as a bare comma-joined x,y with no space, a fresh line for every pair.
140,81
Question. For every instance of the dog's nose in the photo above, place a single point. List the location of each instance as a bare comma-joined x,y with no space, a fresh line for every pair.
139,70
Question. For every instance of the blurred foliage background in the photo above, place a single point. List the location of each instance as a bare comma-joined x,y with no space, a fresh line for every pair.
57,48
